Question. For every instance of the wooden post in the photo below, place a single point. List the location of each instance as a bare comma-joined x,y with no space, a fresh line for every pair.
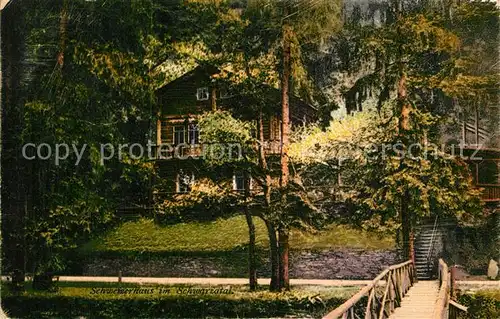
214,99
452,281
119,276
476,123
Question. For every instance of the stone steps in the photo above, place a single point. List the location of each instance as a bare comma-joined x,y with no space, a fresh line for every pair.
428,242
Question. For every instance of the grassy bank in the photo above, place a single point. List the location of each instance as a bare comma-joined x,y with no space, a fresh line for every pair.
225,235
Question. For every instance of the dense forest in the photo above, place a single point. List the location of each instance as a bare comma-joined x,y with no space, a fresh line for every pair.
385,72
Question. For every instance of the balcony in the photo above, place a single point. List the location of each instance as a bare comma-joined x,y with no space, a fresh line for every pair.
185,151
181,151
490,193
272,147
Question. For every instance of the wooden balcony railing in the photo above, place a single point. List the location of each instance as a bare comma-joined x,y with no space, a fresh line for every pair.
445,308
272,147
490,193
184,151
382,300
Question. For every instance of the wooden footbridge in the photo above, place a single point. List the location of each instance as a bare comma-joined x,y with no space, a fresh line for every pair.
396,293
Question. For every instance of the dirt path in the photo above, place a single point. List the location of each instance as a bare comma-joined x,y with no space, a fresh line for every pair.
241,281
206,281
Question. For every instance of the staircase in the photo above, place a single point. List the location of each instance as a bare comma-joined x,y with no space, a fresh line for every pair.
428,248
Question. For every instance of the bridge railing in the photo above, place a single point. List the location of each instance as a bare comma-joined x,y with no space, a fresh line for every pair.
385,293
445,307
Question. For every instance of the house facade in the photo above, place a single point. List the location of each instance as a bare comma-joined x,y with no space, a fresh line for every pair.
475,136
179,159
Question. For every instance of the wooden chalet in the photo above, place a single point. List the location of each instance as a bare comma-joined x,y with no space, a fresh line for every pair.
180,102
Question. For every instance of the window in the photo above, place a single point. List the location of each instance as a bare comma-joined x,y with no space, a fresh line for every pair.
193,134
184,182
164,131
274,128
488,172
239,182
202,94
179,134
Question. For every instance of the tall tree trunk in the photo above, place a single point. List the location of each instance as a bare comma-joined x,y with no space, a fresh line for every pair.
285,131
275,257
285,108
284,252
404,106
213,99
252,260
404,126
13,178
63,25
273,241
263,162
406,223
43,281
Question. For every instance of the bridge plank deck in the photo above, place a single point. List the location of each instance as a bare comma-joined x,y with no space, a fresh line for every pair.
419,302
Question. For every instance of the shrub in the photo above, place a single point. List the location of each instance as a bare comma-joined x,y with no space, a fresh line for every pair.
482,305
477,245
54,306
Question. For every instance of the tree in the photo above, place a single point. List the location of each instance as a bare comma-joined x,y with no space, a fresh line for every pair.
292,25
212,192
288,27
370,153
233,50
84,101
12,178
414,61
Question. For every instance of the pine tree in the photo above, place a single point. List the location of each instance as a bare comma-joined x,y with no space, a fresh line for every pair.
416,62
290,26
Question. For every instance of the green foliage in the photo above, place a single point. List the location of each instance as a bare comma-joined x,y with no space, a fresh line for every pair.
220,131
228,146
437,183
342,139
476,246
445,55
377,166
483,304
424,48
117,53
476,73
82,87
205,201
306,24
76,301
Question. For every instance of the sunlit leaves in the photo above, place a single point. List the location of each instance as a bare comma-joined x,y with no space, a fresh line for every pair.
377,167
224,134
341,139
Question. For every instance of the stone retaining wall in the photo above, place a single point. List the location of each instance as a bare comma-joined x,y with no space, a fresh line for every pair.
336,264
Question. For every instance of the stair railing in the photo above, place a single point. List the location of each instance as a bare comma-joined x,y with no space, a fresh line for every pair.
397,280
431,246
